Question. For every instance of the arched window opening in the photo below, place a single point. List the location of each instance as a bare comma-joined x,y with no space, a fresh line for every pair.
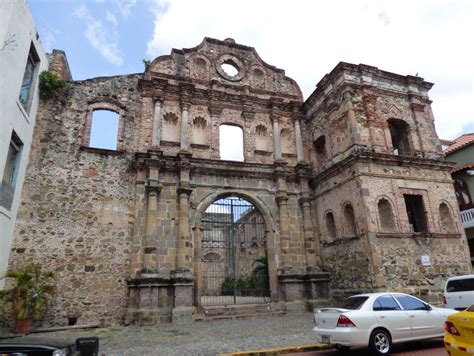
350,229
446,219
261,138
386,216
231,143
462,194
399,135
330,226
234,249
170,128
287,146
199,130
104,129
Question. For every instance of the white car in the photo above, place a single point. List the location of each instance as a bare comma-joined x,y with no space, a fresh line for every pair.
378,320
459,292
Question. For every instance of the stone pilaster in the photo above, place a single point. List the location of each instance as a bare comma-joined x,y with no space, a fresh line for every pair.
184,254
184,127
311,243
299,141
276,138
156,134
284,222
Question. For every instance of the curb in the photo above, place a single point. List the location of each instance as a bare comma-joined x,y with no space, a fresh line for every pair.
280,351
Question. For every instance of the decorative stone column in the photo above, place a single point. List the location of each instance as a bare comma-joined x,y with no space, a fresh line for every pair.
299,142
182,276
153,189
184,256
276,138
284,222
184,127
156,135
311,245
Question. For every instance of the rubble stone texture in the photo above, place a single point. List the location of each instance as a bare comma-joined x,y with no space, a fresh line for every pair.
123,227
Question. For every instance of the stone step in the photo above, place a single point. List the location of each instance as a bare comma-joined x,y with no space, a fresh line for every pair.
236,311
238,316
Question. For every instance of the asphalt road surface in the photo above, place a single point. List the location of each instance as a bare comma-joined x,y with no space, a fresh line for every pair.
421,348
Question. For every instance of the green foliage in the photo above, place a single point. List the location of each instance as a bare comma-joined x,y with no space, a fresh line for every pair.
146,62
28,297
227,286
50,84
253,284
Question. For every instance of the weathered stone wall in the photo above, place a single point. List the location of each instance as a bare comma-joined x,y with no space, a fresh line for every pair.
346,256
352,108
75,217
401,267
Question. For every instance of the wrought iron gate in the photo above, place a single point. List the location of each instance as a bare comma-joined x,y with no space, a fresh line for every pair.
235,269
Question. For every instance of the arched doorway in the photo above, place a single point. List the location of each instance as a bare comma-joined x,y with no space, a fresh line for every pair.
233,254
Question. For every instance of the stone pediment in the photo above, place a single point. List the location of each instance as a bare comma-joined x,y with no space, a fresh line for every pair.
227,63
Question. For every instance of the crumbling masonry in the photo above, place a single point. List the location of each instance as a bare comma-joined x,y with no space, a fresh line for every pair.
351,186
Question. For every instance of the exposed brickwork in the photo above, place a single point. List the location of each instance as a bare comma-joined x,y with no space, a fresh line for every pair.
123,228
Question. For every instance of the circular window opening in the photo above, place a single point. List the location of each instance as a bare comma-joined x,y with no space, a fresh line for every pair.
230,69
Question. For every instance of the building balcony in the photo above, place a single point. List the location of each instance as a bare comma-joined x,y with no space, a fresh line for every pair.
467,217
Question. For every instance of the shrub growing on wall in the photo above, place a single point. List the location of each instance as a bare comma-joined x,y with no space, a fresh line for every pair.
50,84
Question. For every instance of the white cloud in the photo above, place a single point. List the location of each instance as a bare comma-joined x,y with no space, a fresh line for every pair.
125,6
111,18
48,40
103,39
308,38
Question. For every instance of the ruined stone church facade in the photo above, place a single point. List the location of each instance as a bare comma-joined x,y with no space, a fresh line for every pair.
350,187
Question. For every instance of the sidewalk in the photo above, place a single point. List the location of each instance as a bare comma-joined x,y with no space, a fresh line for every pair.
200,338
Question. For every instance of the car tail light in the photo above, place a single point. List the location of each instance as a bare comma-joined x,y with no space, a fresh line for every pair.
450,328
345,322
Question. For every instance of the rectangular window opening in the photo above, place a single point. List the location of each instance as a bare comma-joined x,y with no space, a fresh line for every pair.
416,213
29,78
104,129
10,173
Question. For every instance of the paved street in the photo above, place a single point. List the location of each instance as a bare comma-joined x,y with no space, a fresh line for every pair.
423,348
218,337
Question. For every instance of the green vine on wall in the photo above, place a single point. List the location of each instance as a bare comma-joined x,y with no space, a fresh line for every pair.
50,84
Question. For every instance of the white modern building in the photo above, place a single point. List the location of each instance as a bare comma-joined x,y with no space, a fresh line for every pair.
22,59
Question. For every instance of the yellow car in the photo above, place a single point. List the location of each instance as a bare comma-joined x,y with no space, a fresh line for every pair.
459,333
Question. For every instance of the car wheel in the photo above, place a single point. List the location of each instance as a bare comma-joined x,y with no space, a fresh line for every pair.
341,348
380,342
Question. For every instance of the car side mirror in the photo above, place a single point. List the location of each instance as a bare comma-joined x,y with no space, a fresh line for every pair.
428,307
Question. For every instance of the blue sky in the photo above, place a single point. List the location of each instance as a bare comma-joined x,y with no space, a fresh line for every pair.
306,38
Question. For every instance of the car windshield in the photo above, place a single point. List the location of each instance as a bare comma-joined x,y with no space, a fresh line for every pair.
353,303
460,285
